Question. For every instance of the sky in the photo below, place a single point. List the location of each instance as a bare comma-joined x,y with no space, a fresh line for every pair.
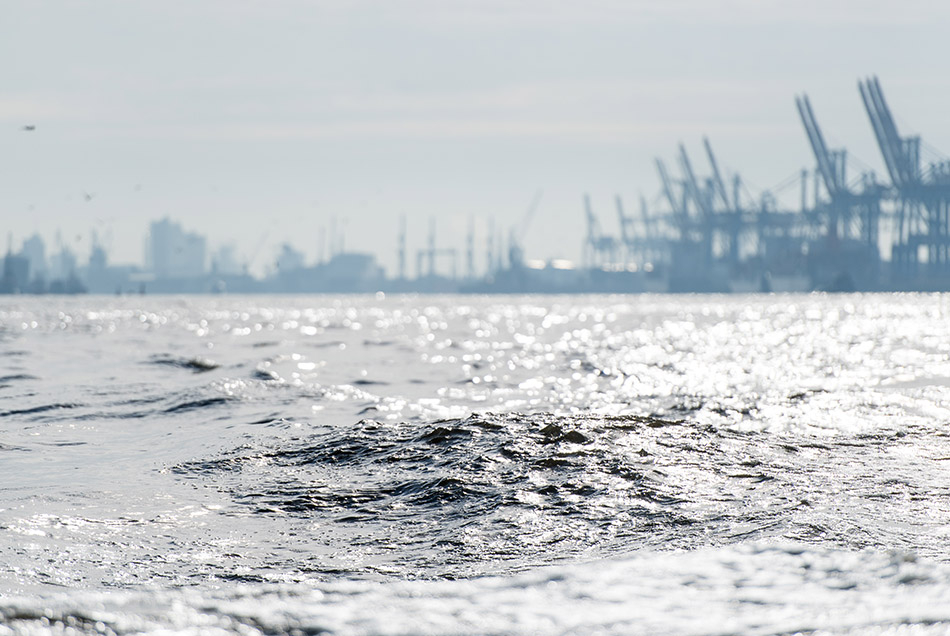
259,123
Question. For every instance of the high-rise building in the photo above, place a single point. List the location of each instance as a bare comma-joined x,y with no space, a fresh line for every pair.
16,270
63,264
225,261
174,253
34,250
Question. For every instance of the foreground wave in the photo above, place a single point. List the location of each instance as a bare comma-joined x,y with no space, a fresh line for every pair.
753,589
498,493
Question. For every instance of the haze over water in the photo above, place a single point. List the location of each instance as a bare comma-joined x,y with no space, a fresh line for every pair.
402,464
256,124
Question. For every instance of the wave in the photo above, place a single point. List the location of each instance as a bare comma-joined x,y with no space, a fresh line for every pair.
751,589
497,493
196,364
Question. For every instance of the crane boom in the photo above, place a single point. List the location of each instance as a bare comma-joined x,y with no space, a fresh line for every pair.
717,176
624,220
668,188
529,215
905,163
691,185
890,152
646,219
880,134
818,146
593,231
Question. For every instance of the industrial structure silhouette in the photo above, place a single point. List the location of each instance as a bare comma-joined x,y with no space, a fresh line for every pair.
851,232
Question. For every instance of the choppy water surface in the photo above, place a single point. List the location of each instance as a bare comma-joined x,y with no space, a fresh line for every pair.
396,465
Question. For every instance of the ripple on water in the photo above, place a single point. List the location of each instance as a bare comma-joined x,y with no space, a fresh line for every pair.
755,589
516,490
196,364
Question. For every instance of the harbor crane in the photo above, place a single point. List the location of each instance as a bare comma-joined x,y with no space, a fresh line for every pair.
518,232
598,248
639,236
924,197
852,217
720,186
678,207
429,255
703,206
831,167
731,209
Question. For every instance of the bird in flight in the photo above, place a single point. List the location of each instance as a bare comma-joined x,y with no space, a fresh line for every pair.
88,196
29,127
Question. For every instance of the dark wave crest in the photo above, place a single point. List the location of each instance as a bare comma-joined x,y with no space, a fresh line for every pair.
524,490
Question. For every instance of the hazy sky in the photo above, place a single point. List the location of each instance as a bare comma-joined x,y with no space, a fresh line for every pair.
257,122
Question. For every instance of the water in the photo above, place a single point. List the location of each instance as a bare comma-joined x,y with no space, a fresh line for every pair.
475,465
